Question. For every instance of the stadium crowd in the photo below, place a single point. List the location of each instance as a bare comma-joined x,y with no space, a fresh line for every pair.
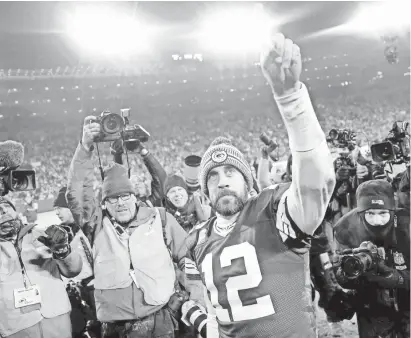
131,245
202,102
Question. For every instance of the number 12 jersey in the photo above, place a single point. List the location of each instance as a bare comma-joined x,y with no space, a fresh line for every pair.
257,277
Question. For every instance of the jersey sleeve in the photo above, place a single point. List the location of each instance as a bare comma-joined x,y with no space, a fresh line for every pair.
289,231
193,282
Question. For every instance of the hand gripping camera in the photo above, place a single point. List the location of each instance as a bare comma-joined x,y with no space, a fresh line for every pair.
270,144
117,126
343,138
355,262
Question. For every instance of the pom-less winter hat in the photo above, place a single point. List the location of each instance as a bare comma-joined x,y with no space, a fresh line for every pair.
222,152
174,181
116,181
375,194
61,201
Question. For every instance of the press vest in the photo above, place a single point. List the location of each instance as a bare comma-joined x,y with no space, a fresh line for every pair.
145,249
41,270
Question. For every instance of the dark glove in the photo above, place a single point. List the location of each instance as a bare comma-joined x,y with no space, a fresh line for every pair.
116,147
340,306
342,173
176,302
385,277
336,303
57,240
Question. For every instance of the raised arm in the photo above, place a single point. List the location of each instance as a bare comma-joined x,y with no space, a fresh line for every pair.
312,171
80,194
158,176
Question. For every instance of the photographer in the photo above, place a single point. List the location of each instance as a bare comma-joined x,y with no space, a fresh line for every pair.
156,170
188,210
380,277
134,248
34,301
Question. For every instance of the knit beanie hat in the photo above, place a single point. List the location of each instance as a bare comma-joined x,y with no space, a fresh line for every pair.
4,199
375,194
116,181
222,152
61,201
174,181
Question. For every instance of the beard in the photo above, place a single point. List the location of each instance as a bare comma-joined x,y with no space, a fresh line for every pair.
228,203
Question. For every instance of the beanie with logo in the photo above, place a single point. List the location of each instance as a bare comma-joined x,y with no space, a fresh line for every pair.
375,194
222,152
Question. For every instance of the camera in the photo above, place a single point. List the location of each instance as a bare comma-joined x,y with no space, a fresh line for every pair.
271,145
355,262
17,180
117,126
395,148
342,138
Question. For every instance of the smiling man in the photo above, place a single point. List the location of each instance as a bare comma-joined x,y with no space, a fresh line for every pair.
253,256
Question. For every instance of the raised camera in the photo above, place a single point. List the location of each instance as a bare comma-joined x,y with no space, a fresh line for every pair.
112,125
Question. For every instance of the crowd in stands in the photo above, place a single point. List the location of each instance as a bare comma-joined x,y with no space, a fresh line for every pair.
46,115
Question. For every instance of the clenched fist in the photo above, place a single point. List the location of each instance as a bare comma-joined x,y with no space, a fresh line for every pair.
57,240
90,131
281,65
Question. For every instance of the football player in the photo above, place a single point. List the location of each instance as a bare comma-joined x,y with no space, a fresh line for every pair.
253,256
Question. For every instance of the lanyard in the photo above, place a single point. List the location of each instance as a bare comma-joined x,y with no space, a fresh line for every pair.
23,268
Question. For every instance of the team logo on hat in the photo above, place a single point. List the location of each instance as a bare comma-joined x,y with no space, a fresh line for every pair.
380,202
219,156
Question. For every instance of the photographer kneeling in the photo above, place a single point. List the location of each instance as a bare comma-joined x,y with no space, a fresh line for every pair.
379,270
133,248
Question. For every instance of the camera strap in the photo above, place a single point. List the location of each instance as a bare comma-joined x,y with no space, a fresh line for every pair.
99,163
23,268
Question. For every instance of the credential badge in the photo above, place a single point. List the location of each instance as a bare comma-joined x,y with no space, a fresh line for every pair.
219,156
399,258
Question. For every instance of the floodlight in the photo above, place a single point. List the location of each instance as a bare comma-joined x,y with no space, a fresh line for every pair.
103,31
381,16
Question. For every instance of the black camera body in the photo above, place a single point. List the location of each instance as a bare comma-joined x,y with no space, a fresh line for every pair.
344,159
117,126
355,262
394,148
271,145
17,180
342,138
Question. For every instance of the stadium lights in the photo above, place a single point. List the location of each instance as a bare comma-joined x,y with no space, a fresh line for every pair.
381,17
236,30
106,32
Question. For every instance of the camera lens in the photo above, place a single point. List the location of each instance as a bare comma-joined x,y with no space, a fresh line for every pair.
112,123
20,183
333,134
352,266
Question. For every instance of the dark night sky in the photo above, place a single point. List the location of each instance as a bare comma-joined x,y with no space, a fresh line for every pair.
35,28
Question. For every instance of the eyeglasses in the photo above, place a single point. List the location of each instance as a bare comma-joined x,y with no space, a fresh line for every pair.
113,200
